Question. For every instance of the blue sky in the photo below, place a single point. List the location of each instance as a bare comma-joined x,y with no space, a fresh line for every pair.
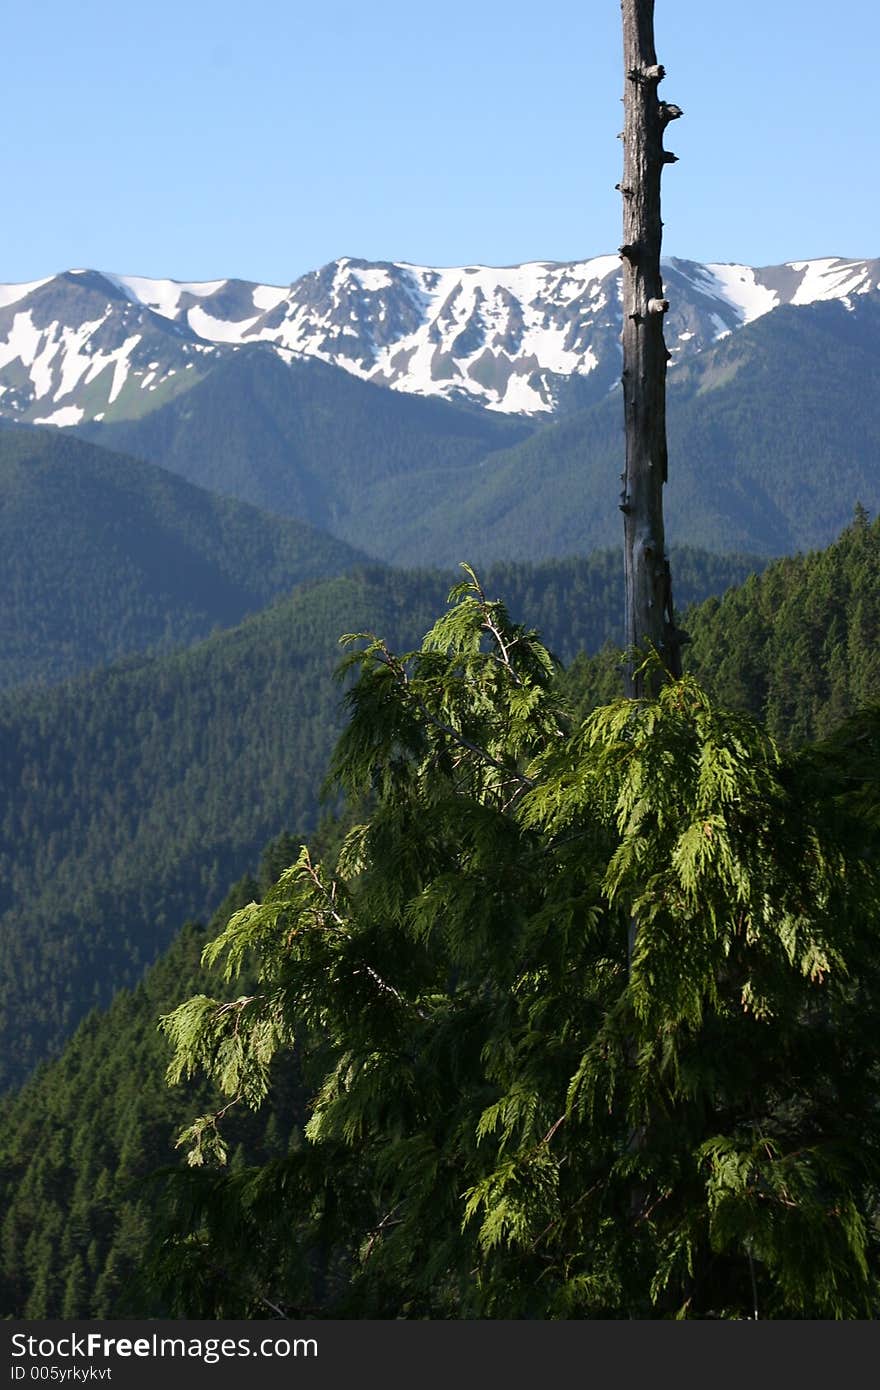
202,140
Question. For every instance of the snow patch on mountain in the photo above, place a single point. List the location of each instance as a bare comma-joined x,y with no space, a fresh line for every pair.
266,297
41,367
495,335
831,279
163,296
23,342
750,293
372,278
218,330
740,287
67,415
11,294
76,362
532,338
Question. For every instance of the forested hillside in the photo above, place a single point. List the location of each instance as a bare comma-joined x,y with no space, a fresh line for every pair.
307,440
52,1262
131,797
82,1139
771,453
101,556
801,645
798,644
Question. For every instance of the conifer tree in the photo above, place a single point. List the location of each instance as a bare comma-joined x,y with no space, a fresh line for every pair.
481,1050
75,1301
557,962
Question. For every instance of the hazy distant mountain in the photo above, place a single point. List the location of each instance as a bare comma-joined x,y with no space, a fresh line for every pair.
311,441
101,555
529,339
774,436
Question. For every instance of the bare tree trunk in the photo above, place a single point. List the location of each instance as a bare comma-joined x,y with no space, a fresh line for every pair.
650,618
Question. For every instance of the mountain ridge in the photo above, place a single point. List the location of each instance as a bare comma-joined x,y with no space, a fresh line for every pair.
774,435
534,339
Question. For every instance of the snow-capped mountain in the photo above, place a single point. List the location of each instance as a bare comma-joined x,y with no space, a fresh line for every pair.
530,339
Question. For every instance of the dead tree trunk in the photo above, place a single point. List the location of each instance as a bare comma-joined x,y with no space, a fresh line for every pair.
650,618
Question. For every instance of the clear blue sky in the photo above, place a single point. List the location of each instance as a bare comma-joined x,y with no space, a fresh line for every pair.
261,139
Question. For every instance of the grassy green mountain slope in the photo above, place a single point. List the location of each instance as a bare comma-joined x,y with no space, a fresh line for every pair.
101,555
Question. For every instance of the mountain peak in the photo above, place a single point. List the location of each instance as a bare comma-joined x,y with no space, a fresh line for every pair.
532,339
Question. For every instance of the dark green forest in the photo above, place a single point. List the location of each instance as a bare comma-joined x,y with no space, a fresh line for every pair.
309,440
798,645
378,939
101,556
77,1209
132,796
588,1012
77,1199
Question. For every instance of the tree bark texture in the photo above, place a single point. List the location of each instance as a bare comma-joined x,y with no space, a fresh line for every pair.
650,617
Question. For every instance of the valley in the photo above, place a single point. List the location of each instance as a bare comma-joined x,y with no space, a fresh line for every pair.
203,486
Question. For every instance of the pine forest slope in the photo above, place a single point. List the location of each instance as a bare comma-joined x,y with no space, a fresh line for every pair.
774,436
131,796
101,556
308,440
152,782
799,645
79,1140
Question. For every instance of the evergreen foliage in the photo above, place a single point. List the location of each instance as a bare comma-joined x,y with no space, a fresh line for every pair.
516,1113
82,1142
130,798
797,645
80,1097
801,645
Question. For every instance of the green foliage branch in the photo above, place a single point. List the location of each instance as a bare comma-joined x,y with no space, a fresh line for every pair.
510,1118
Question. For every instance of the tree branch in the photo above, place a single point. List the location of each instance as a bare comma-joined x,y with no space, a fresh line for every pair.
455,734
